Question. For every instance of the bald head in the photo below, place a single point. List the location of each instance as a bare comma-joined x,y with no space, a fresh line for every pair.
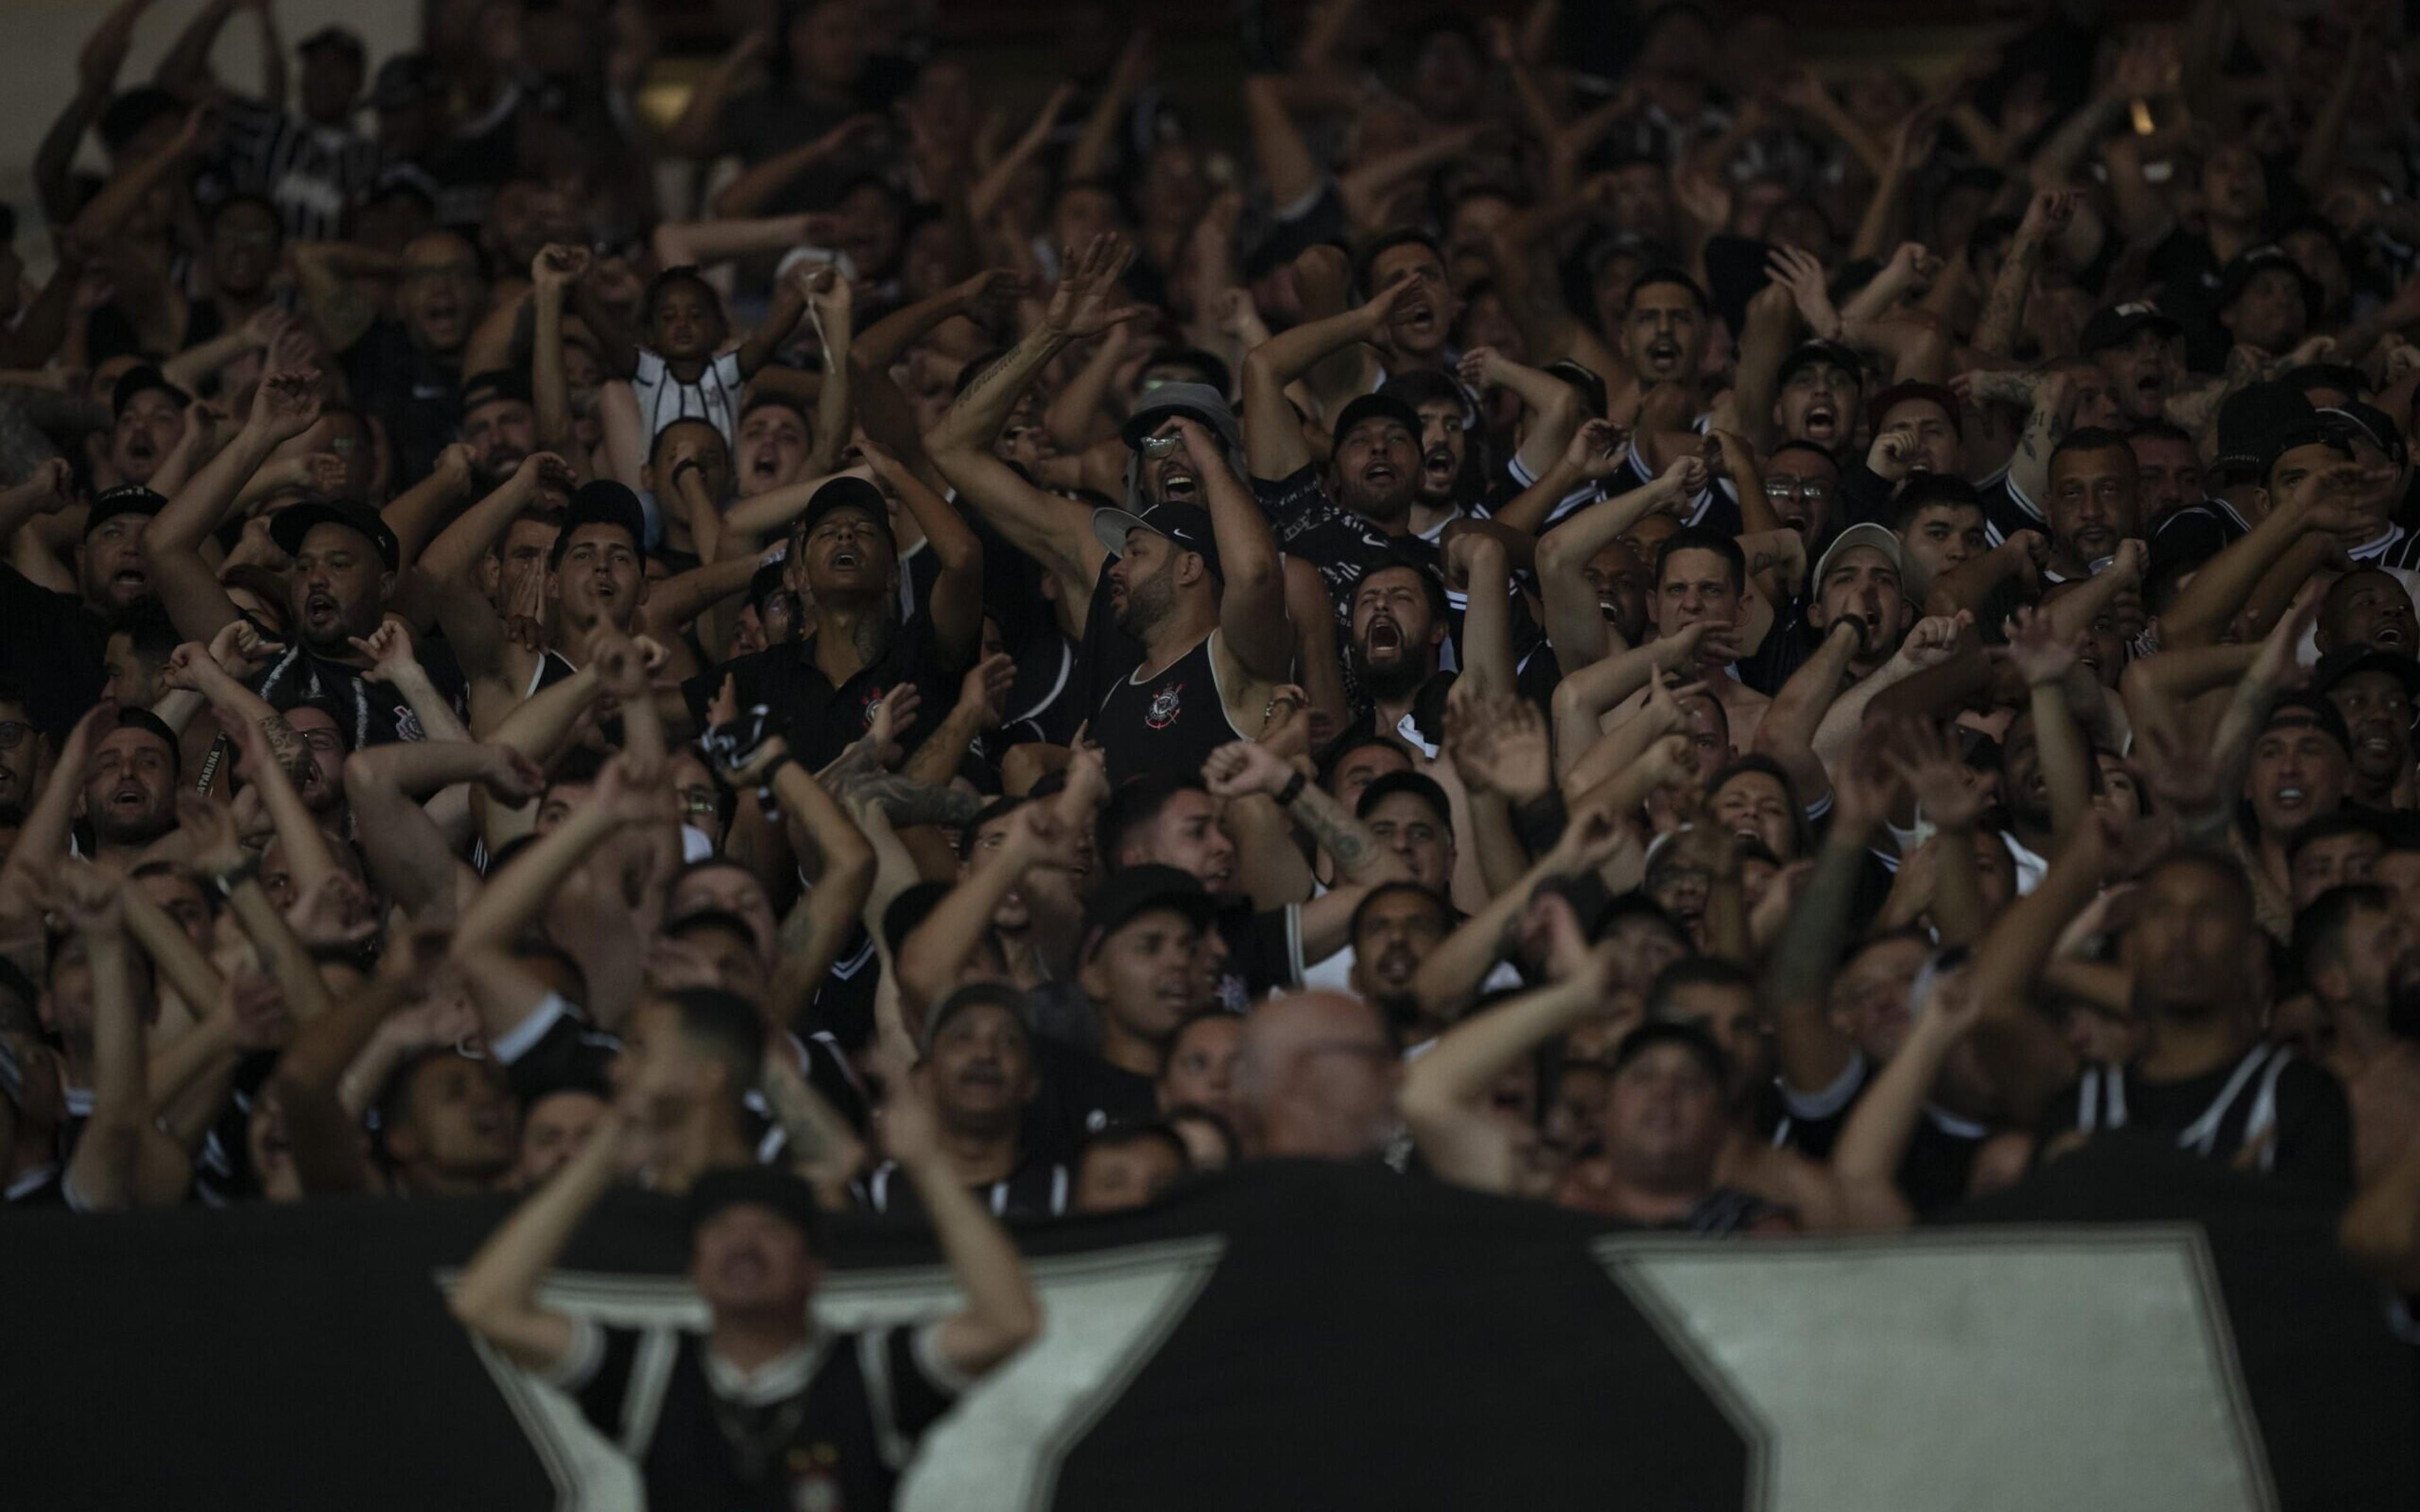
1316,1077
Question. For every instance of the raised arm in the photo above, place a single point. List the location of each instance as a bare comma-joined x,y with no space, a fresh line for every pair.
2043,657
1445,1094
1273,444
1000,1315
121,1161
1811,1049
284,406
1054,532
497,1296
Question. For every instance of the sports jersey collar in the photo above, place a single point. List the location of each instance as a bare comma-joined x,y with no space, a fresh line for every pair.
2372,550
777,1380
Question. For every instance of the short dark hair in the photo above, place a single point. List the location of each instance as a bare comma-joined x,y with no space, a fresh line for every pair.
1700,1045
1667,273
1694,971
2159,430
1928,490
1388,889
995,808
1378,246
1117,1136
2090,439
672,277
727,1027
1699,538
2331,827
2319,928
1136,803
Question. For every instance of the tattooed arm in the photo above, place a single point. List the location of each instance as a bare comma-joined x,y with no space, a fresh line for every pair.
907,802
2046,426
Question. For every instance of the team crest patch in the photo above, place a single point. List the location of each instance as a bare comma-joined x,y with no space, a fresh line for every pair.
874,704
1164,706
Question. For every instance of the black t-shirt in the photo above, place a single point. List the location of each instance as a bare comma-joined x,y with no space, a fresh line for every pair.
1105,656
1939,1154
375,713
1168,722
821,720
1037,1189
2194,533
53,645
831,1426
556,1047
1308,524
415,394
2291,1112
1080,1093
1264,952
2189,275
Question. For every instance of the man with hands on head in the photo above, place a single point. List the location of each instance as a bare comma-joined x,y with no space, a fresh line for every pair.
346,559
735,1405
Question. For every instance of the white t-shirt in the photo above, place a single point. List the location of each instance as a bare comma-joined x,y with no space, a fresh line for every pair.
663,398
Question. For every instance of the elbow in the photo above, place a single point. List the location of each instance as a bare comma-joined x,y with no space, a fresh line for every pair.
364,777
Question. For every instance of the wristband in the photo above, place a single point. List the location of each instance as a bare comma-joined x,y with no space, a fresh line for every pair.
1292,790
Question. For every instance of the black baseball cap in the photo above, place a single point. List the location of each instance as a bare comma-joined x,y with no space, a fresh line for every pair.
1807,353
406,80
2374,425
1699,1043
1379,406
494,384
1187,525
289,525
131,717
1130,892
2115,325
2313,710
767,581
787,1195
601,501
126,498
142,379
2253,263
2347,662
2249,417
847,493
2314,429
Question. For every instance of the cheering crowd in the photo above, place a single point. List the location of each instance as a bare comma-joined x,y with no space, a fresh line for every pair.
1550,599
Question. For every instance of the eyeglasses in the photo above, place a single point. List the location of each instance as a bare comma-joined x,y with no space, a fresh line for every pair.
13,733
1813,490
697,800
324,741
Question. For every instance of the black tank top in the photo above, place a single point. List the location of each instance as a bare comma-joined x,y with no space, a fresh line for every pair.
1170,722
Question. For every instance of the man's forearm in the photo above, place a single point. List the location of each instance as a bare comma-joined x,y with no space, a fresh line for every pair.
976,420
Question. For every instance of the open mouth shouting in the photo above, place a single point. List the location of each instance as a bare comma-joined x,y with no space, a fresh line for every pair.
1178,483
1438,467
1385,638
1822,422
1379,476
1663,357
765,463
319,608
2390,638
128,798
1416,316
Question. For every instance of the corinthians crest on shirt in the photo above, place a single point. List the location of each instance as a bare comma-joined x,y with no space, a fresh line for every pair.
1164,706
